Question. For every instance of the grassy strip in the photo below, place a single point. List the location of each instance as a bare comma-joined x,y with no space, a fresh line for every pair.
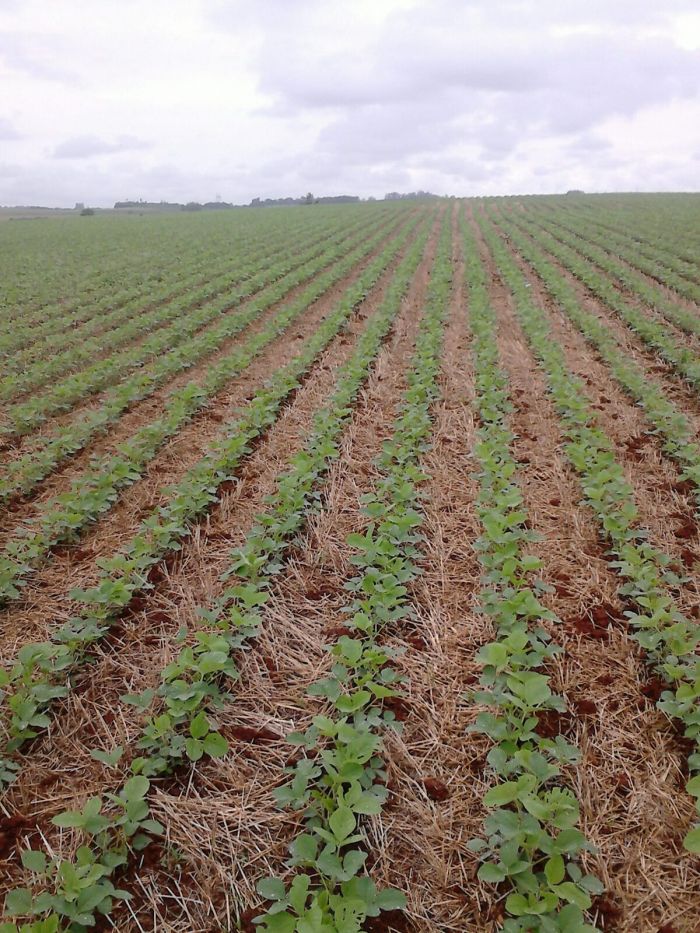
669,639
533,841
63,517
667,420
39,674
343,781
191,685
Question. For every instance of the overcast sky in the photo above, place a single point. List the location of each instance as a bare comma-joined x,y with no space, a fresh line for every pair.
190,99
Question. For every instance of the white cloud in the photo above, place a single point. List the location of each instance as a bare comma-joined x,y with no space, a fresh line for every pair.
184,99
85,147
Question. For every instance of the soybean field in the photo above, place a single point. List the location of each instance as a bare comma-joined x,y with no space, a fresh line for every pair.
349,568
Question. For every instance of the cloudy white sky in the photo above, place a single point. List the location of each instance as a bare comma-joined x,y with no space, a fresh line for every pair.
189,99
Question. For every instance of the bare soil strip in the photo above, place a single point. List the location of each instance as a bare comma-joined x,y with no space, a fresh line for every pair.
631,778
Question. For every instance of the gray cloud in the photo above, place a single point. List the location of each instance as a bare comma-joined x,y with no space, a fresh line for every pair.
278,98
7,130
85,147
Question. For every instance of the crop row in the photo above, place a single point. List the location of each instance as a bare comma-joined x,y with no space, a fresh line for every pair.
656,243
95,491
89,311
650,259
665,418
39,674
63,395
651,295
669,639
82,262
340,777
217,326
191,686
668,220
77,346
683,359
532,842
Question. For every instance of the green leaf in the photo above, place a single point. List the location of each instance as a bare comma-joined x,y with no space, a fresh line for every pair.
111,759
501,794
554,869
517,905
18,901
491,874
272,889
199,726
215,745
34,860
391,899
304,848
342,822
692,840
136,787
573,894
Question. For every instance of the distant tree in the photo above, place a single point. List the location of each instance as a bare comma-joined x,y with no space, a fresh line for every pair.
308,198
87,212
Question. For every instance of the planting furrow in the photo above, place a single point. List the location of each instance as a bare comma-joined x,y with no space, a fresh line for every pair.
671,425
226,626
127,572
649,585
96,490
533,843
218,326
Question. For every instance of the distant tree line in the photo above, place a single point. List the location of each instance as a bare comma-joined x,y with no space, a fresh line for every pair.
175,206
409,196
308,198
